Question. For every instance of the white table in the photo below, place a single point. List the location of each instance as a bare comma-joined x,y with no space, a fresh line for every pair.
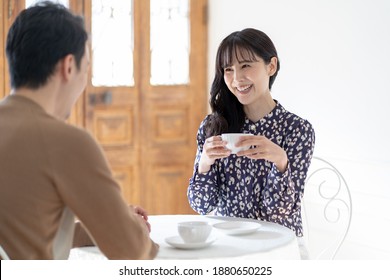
270,241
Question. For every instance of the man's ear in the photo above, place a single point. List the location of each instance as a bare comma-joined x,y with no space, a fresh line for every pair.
272,66
67,66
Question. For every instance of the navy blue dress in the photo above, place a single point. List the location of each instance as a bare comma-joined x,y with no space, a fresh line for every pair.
242,187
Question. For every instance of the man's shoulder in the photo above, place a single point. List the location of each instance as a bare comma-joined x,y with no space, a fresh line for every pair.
75,132
63,133
72,130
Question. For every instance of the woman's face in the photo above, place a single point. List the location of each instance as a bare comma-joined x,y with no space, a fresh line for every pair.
248,79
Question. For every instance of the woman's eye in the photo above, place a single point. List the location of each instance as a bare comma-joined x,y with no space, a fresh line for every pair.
227,70
245,65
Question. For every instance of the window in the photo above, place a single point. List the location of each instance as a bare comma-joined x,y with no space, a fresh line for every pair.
112,43
169,42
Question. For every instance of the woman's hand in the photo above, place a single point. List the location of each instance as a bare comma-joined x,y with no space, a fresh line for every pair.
263,148
213,148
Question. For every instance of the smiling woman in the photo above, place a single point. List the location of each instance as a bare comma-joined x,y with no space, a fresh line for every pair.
265,182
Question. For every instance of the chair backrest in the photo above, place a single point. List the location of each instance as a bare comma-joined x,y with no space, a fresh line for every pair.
327,209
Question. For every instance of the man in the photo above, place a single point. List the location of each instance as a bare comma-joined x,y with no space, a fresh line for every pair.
51,171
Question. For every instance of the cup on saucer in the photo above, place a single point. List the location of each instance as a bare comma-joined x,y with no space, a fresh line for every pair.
194,231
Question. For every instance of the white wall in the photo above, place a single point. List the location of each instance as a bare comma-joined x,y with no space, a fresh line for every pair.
335,72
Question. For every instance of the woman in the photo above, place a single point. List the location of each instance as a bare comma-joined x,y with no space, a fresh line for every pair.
267,181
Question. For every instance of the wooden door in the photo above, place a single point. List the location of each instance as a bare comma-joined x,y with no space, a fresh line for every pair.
148,132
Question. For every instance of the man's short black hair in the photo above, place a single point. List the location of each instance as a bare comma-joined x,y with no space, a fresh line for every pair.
40,37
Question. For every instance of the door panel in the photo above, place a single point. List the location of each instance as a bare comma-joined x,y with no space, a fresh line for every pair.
172,115
148,132
111,116
169,125
165,188
114,128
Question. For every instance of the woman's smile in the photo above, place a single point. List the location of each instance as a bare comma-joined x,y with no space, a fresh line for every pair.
244,89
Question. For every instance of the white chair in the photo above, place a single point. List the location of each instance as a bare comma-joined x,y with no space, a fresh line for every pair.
326,209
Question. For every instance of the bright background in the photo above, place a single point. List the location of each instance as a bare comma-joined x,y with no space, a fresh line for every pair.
335,72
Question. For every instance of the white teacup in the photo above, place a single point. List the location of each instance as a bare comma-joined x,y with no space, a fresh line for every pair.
232,139
194,232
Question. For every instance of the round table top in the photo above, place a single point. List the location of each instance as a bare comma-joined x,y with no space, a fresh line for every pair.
269,241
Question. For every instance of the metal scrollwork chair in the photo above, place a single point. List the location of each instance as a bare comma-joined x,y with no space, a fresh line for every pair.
327,210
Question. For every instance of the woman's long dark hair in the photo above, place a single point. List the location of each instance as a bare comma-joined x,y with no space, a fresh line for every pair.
227,112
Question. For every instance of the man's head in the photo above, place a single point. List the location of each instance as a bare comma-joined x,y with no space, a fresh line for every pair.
39,38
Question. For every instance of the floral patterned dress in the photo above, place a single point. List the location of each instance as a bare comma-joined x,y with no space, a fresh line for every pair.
242,187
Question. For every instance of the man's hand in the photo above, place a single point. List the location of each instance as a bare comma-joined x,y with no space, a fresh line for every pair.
142,212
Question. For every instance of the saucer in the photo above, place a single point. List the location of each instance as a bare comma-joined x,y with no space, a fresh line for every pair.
237,227
177,242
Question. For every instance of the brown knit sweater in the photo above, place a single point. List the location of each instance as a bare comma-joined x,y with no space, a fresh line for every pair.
51,171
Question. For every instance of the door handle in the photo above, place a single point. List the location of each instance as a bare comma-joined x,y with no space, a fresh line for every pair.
104,98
